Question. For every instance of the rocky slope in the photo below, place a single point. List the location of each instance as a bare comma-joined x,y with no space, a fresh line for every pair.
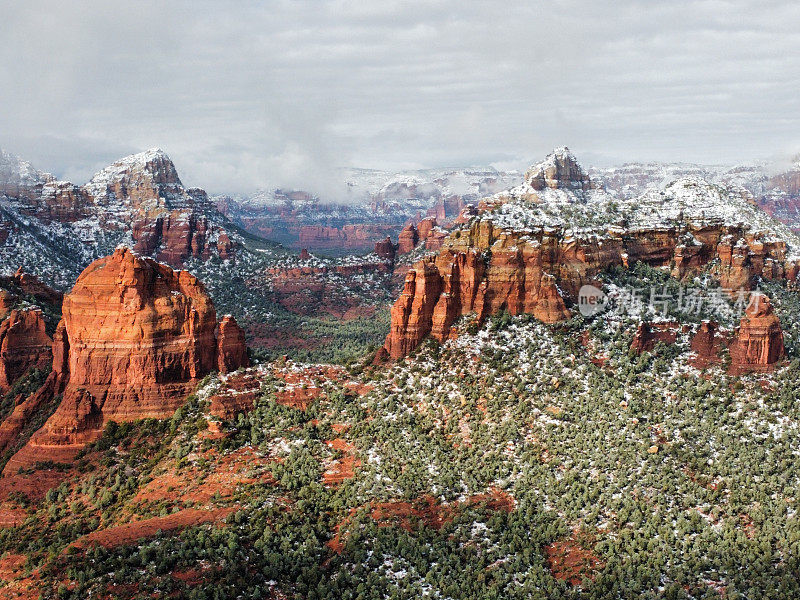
136,339
29,312
24,345
774,187
55,228
531,249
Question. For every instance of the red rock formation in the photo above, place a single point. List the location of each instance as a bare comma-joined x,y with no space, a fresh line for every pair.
408,239
440,289
55,383
349,237
231,346
7,302
30,285
139,337
425,227
412,314
435,240
707,343
423,232
560,170
304,254
61,201
649,334
313,289
178,236
758,342
447,208
537,272
386,249
23,345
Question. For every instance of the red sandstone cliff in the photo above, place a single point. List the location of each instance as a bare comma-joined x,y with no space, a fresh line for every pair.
408,239
25,408
167,220
231,346
758,342
484,269
462,280
424,232
23,345
137,337
178,236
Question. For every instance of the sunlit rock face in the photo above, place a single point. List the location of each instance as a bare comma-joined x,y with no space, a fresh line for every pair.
758,342
136,339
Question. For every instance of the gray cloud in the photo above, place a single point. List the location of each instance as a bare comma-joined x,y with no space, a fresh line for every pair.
275,93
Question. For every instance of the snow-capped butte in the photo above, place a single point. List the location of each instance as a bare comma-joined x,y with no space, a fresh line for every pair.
557,192
558,170
151,168
55,228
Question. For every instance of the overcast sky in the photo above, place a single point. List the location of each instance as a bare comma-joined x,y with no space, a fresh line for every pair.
248,94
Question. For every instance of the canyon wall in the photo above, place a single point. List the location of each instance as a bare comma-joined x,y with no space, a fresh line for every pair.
135,339
484,269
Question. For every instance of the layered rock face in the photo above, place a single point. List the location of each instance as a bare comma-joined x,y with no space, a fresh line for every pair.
137,337
359,236
24,344
484,269
26,408
561,170
424,232
461,280
168,221
178,236
408,239
231,346
758,342
55,228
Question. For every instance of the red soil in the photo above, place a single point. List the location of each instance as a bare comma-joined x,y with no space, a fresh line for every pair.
341,468
192,484
34,485
15,585
426,510
11,517
130,532
569,559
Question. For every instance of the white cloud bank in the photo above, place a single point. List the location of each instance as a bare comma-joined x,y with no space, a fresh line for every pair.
247,94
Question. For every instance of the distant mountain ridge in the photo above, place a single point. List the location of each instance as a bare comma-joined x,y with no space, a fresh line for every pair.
377,204
55,228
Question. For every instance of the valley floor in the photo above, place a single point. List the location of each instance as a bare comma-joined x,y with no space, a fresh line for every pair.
519,460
